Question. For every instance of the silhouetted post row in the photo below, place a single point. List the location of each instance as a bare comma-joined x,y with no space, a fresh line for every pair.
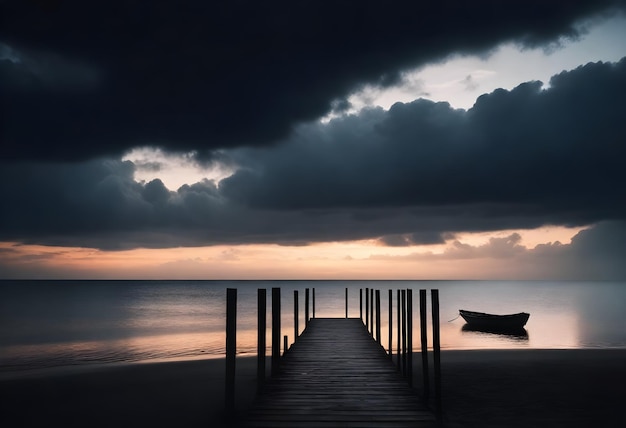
404,342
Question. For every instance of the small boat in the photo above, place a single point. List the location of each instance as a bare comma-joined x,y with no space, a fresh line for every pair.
490,322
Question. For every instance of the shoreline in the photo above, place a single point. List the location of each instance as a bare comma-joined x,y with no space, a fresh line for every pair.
95,367
480,388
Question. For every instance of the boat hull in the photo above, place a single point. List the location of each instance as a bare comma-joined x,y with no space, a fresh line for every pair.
483,321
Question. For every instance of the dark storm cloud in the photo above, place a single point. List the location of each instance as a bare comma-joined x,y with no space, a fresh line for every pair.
98,204
596,253
91,79
412,175
530,155
405,240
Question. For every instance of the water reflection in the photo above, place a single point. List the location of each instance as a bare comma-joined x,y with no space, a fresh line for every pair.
185,346
601,308
76,322
516,334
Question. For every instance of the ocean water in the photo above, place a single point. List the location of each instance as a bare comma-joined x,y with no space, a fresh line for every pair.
50,324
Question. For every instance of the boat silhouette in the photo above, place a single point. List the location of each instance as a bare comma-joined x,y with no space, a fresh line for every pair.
511,324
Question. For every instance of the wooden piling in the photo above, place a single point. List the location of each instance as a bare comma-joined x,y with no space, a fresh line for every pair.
367,309
361,303
296,316
424,341
231,347
398,341
436,354
285,344
378,338
346,302
403,294
261,327
390,324
275,331
306,308
409,335
372,311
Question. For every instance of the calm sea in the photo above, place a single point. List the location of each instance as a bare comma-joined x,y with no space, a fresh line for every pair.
48,324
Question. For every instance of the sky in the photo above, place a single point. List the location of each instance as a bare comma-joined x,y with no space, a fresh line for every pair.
306,140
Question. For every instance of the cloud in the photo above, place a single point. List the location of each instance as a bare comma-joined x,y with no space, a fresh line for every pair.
411,175
232,254
200,76
406,240
497,248
24,72
534,156
470,83
596,253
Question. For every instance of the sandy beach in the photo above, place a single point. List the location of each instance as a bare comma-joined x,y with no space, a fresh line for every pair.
534,388
520,388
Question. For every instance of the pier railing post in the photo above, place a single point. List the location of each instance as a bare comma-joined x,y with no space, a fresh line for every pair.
403,293
296,316
346,302
367,308
398,341
372,310
231,347
424,341
261,323
436,354
378,338
409,335
306,307
275,331
361,303
390,324
285,344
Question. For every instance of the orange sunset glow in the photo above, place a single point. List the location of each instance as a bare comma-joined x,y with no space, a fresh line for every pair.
345,260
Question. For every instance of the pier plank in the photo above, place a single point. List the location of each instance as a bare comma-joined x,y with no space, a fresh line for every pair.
337,375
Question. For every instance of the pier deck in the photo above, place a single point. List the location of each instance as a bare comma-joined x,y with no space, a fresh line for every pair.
336,375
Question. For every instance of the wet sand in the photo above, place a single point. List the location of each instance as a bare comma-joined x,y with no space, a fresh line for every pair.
534,388
520,388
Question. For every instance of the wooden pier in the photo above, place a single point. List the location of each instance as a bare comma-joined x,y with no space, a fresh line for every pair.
337,375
